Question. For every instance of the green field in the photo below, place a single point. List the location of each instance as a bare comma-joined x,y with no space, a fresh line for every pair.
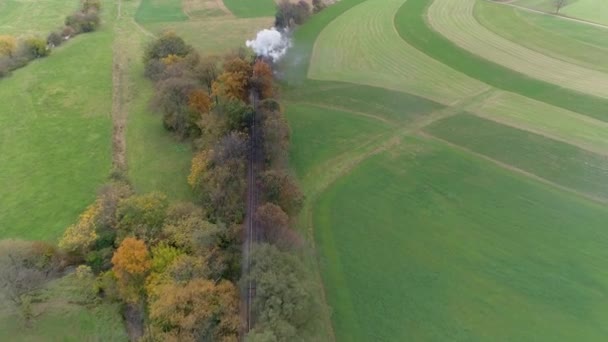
251,8
32,17
66,315
151,11
477,235
429,244
55,130
549,159
515,25
590,10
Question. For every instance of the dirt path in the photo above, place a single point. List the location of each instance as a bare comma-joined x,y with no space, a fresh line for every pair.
119,110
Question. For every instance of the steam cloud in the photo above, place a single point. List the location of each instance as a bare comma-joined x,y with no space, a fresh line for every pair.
270,43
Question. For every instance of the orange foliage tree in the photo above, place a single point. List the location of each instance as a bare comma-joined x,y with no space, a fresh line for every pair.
131,263
8,45
197,310
262,79
199,101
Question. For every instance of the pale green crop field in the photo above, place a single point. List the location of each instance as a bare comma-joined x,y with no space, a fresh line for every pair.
34,17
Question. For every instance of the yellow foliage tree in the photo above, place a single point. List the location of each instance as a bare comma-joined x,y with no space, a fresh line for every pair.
79,237
200,309
8,45
131,263
200,162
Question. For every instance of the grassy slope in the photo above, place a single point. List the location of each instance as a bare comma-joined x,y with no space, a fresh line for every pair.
251,8
64,319
362,46
508,22
314,142
515,110
22,18
582,32
455,21
553,160
430,253
412,27
592,10
55,132
151,11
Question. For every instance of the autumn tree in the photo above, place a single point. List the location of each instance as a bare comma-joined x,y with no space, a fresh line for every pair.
131,264
283,303
199,310
233,83
142,216
218,176
35,48
172,98
276,133
318,6
208,71
262,79
80,237
168,44
273,223
8,45
199,102
281,188
24,269
290,14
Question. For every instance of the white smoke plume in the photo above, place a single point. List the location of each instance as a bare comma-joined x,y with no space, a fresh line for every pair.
270,43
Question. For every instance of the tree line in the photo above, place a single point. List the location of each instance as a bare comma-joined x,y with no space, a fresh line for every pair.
16,53
176,267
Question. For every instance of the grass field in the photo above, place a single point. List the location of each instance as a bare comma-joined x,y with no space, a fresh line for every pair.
361,46
251,8
64,316
557,123
32,17
430,253
411,25
55,133
151,11
455,21
512,24
590,10
549,159
419,240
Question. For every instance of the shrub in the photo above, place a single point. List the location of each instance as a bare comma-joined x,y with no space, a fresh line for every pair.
83,21
54,39
35,48
168,44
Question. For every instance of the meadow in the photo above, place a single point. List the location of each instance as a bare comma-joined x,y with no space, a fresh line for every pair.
478,218
520,27
590,10
32,17
251,9
56,133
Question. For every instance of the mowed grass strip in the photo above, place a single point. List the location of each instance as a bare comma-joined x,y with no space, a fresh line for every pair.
151,11
557,123
362,46
55,137
251,8
412,27
319,134
34,17
553,160
393,106
508,22
455,21
431,244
